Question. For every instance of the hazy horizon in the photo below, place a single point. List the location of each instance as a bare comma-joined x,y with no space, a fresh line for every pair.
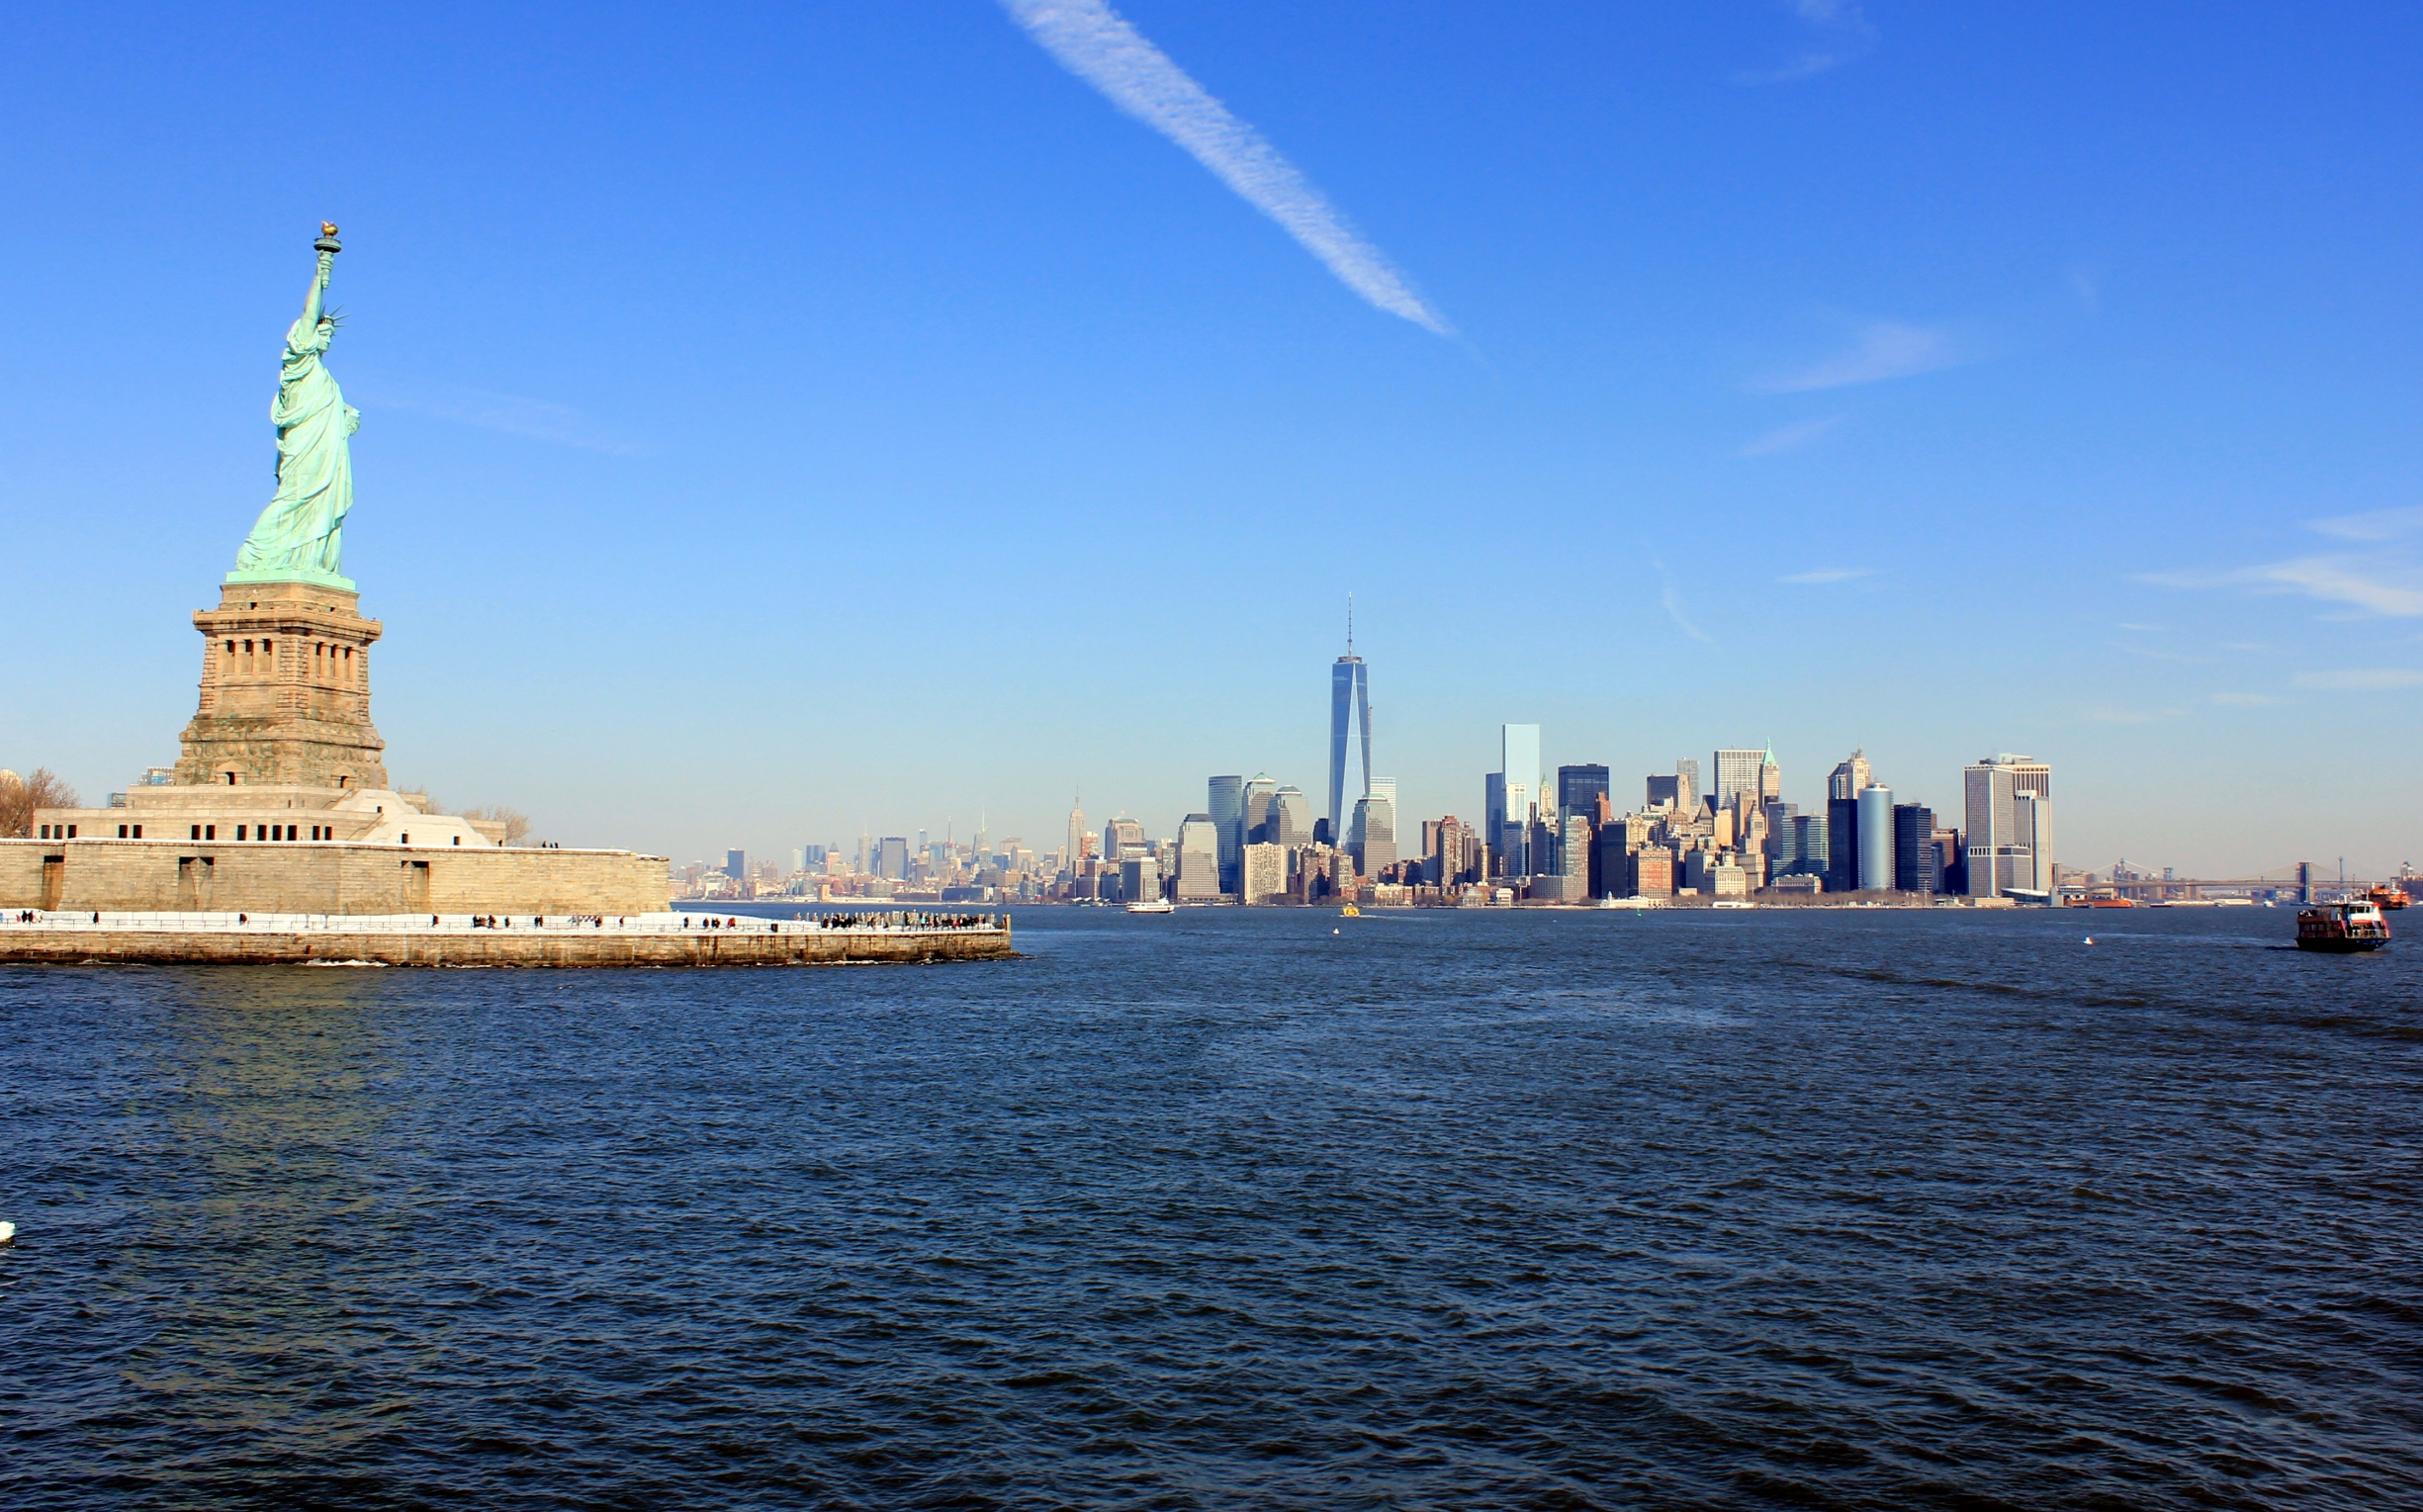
780,425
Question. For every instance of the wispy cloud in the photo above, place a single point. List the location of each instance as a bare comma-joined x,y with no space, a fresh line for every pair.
2245,700
1884,349
2334,580
1785,437
1672,603
2368,680
2377,525
1830,575
536,418
1099,46
1840,35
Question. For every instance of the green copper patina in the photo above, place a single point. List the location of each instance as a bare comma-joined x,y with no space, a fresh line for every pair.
299,536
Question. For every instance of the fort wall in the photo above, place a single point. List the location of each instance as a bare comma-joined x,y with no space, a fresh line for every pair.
291,943
326,878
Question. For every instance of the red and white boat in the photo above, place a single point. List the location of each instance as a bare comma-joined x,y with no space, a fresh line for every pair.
2342,927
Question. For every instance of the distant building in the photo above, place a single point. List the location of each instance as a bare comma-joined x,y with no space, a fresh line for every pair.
1686,782
1228,805
1916,867
1843,844
1076,837
1199,859
1512,798
1849,778
1381,787
1290,818
1951,863
1738,776
1770,778
1376,822
1809,855
1579,789
1121,837
892,857
1139,878
736,864
1262,872
2008,801
1664,792
1876,838
1260,790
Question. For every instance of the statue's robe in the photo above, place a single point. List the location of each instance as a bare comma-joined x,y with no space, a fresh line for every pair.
303,529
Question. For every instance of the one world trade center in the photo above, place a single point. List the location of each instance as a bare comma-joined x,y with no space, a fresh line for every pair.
1350,734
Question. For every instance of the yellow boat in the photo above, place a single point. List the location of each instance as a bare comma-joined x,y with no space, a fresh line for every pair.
1350,912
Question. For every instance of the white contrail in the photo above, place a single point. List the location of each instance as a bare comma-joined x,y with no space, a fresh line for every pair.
1096,43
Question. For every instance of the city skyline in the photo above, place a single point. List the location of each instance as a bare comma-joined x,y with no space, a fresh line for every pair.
726,450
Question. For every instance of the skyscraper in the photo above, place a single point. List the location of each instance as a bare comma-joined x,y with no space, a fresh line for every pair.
1842,845
736,864
1876,838
1737,776
1770,777
1199,859
1375,847
1121,838
1579,789
1228,805
1076,835
1259,791
2009,804
1350,731
1686,777
1849,777
1380,787
1291,822
1915,867
1513,798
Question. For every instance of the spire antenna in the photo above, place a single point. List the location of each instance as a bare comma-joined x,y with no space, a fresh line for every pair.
1350,624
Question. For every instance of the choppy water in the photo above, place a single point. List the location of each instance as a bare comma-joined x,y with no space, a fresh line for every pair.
1224,1210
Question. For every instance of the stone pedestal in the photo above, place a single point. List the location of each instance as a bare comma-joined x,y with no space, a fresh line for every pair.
284,692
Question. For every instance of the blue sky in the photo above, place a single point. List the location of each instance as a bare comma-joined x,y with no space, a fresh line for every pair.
781,420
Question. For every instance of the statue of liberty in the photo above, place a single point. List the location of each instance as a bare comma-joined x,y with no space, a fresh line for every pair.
299,536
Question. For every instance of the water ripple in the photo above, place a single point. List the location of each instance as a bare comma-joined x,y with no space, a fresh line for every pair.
1224,1210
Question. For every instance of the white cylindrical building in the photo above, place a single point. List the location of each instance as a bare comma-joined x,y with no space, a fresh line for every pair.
1876,838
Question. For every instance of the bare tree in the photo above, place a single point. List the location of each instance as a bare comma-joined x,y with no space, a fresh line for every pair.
21,796
516,823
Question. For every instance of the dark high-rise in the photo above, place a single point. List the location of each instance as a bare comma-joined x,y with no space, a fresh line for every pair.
1916,867
1842,845
1579,789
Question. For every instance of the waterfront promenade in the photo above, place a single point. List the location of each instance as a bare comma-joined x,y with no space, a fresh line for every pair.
88,938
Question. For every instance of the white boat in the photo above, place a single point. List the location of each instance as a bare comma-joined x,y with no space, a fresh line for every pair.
8,1232
1151,906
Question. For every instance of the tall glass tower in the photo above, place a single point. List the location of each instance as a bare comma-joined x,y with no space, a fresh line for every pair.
1349,733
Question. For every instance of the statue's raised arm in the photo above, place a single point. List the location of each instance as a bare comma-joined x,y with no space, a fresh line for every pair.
299,538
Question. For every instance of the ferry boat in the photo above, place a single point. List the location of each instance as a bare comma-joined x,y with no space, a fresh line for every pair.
2389,895
2341,928
1350,912
1151,906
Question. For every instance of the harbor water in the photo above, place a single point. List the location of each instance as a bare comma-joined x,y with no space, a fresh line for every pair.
1268,1207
